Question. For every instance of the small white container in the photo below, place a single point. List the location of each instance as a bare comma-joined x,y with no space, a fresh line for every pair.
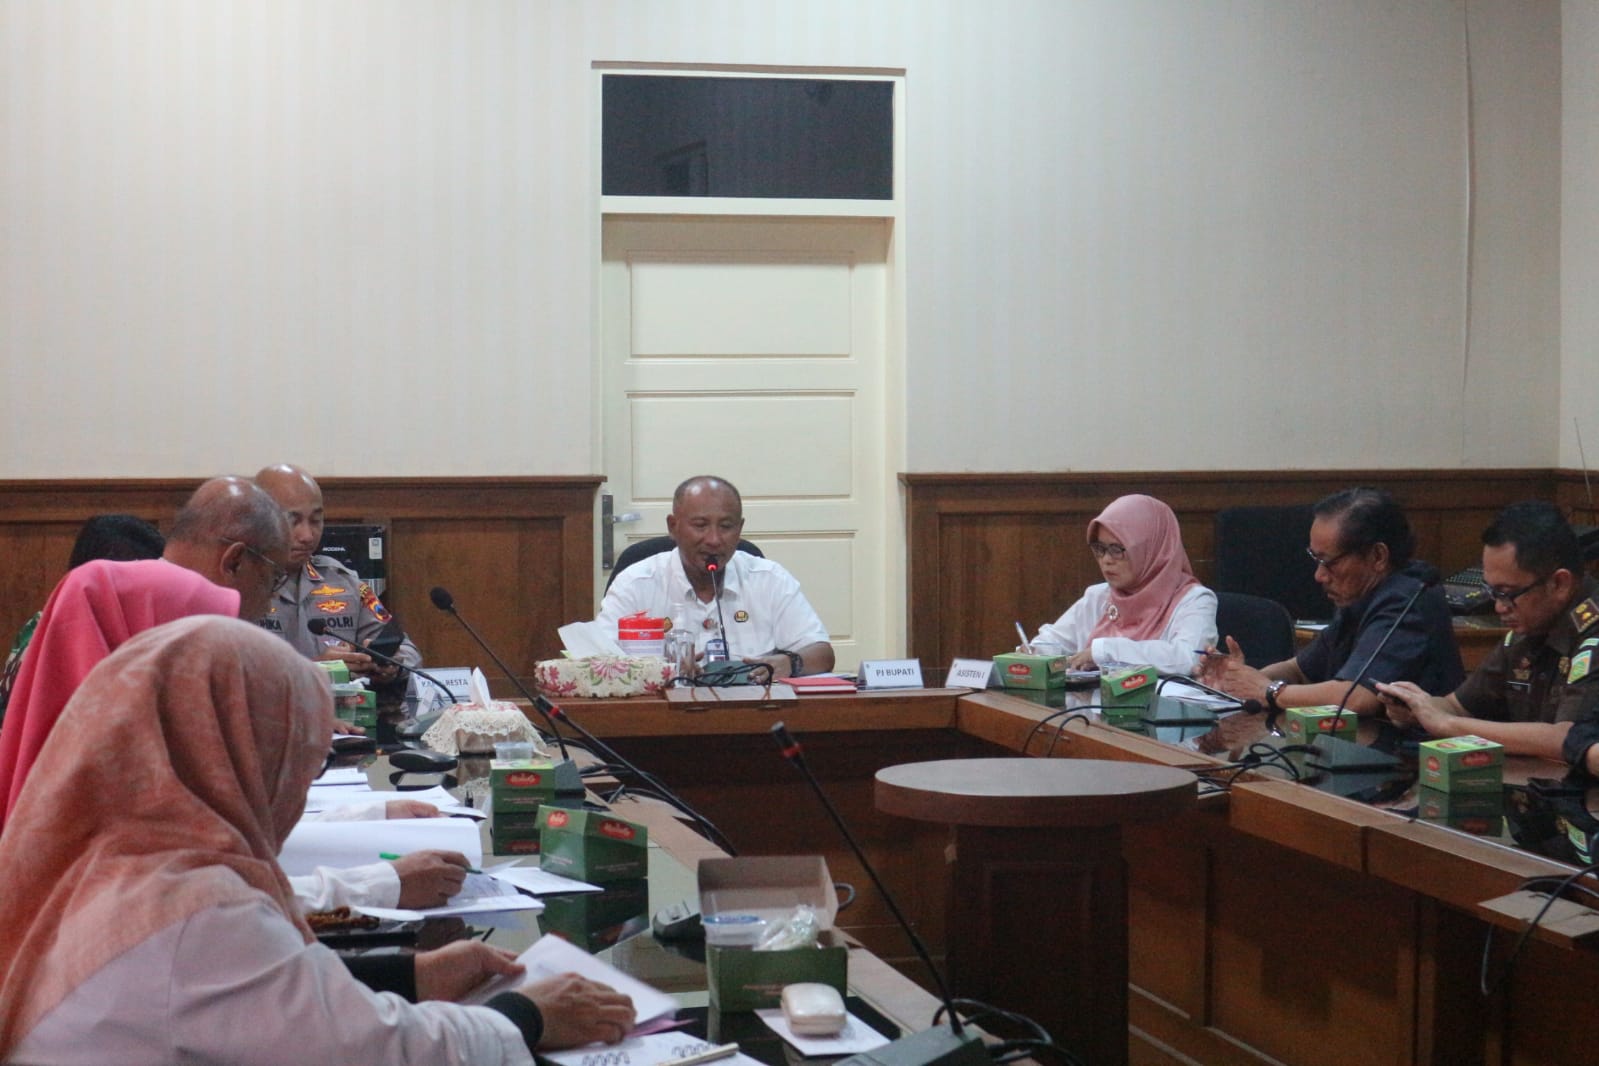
733,930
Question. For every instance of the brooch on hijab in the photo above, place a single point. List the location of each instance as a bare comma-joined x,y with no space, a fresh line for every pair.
1113,612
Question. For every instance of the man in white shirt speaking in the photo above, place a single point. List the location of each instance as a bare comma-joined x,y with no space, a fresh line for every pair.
753,604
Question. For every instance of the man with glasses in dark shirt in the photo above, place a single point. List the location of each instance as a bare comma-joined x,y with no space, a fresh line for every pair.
1361,545
1530,689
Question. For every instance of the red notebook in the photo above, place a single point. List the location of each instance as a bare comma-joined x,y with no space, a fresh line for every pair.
819,683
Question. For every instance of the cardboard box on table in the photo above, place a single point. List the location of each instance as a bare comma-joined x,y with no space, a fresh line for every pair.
770,887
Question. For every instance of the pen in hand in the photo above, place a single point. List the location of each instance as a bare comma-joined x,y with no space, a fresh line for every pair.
389,856
1026,645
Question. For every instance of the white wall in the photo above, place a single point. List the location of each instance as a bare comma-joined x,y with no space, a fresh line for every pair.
1579,235
1153,234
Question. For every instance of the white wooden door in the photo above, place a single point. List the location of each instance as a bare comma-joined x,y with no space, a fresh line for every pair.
753,349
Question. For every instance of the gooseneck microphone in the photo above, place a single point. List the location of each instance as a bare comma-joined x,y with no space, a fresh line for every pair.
553,710
715,569
319,627
934,1047
795,754
445,602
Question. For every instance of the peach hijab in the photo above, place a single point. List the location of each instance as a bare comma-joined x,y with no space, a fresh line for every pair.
94,609
1161,570
200,739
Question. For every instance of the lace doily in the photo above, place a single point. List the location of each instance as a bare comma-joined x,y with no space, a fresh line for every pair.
473,728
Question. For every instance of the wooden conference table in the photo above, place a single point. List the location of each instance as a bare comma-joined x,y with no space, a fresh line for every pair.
1271,923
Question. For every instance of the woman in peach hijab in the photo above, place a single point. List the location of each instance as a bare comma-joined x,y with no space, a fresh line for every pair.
1150,610
93,611
148,920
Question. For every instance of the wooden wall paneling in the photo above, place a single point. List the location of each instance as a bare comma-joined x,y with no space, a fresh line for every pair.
516,552
988,549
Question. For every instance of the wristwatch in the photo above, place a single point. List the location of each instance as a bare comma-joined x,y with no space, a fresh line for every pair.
796,663
1271,694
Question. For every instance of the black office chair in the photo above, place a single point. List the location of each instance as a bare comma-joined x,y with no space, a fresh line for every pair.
1261,551
643,549
1262,627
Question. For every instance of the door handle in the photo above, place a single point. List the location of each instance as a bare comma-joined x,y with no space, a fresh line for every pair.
608,522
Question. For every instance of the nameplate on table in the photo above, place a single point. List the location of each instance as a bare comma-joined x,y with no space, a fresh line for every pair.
457,679
970,673
891,673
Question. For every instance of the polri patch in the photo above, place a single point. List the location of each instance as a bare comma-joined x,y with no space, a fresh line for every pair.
741,616
331,606
326,590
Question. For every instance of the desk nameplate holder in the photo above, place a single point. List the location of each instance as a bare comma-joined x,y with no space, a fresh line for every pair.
891,673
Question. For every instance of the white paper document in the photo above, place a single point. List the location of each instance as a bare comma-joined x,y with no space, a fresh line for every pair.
856,1036
540,882
458,906
550,956
313,844
643,1051
342,775
327,797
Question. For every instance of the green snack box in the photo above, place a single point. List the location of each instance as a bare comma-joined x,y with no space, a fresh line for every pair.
591,846
1126,693
528,784
596,920
1481,813
1020,670
1462,764
1304,724
338,670
355,703
770,887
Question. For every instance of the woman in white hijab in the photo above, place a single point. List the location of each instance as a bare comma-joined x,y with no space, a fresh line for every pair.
148,920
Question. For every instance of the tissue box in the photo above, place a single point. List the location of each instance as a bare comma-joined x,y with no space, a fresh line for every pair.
770,887
1126,693
1303,724
1020,670
602,676
515,838
1462,764
591,846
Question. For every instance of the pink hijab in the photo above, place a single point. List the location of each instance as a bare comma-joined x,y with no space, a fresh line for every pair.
206,733
94,609
1161,570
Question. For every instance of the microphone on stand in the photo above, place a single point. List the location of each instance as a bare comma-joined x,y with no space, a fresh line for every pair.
715,570
319,627
445,602
934,1047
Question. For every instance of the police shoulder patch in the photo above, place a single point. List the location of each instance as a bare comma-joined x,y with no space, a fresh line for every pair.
370,600
1581,664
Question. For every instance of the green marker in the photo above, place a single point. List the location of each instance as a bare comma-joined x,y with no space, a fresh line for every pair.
389,856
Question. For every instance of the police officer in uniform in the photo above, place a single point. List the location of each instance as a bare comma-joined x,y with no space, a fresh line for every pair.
1530,689
320,587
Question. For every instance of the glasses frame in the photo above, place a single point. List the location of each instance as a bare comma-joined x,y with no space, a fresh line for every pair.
1114,551
1329,562
280,573
1509,597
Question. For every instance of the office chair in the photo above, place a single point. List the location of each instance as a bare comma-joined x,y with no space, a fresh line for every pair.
1261,551
643,549
1262,627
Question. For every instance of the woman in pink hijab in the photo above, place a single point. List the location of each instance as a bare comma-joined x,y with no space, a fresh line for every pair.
148,921
1150,610
93,611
